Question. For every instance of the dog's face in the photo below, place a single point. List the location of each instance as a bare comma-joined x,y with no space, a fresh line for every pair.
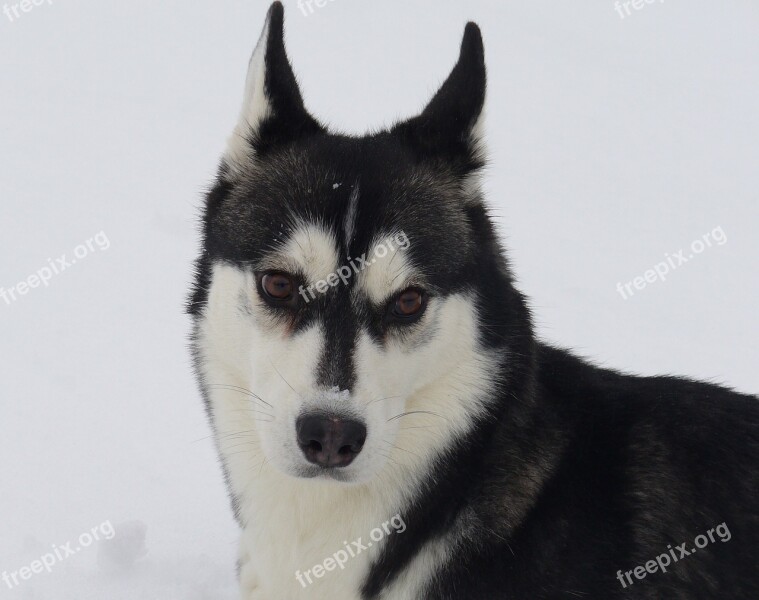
344,278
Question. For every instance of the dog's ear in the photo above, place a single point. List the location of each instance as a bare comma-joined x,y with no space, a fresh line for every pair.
272,110
450,125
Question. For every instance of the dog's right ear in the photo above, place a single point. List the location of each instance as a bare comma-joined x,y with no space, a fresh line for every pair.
450,125
272,110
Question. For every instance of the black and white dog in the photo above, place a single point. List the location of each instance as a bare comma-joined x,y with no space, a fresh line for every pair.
389,425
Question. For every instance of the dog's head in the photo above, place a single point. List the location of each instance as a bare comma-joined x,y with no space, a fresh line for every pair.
351,290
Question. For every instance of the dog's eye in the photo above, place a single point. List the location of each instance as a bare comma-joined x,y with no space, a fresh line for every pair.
409,304
279,287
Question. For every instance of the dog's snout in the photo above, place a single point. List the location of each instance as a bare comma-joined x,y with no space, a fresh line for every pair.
330,441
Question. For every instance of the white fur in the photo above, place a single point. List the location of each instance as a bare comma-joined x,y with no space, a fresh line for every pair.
388,273
310,249
255,107
472,184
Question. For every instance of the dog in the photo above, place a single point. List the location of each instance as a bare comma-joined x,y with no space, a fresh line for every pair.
388,423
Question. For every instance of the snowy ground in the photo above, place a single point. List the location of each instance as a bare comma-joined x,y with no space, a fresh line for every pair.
614,141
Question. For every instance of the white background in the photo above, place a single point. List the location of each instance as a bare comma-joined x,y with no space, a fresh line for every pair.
613,141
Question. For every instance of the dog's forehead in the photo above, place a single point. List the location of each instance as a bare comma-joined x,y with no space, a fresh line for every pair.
308,248
310,208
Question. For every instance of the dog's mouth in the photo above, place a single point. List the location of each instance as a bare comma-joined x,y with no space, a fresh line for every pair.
338,474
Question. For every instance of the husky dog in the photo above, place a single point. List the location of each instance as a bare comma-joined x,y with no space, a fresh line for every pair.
388,424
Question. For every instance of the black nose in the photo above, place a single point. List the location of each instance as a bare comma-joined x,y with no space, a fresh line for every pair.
330,441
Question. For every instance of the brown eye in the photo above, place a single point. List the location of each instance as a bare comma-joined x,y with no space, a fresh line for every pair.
278,286
408,304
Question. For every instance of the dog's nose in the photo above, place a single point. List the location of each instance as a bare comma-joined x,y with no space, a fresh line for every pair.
330,441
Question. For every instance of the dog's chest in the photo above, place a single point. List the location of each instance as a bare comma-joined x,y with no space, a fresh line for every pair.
297,552
323,547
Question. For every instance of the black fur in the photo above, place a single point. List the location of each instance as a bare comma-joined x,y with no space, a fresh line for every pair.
578,472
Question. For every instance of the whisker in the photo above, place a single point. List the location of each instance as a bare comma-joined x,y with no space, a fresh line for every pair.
390,458
225,434
416,412
283,379
382,399
253,410
236,453
234,434
237,388
402,449
240,445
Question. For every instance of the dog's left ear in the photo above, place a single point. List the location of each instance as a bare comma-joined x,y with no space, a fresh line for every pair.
450,124
272,111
